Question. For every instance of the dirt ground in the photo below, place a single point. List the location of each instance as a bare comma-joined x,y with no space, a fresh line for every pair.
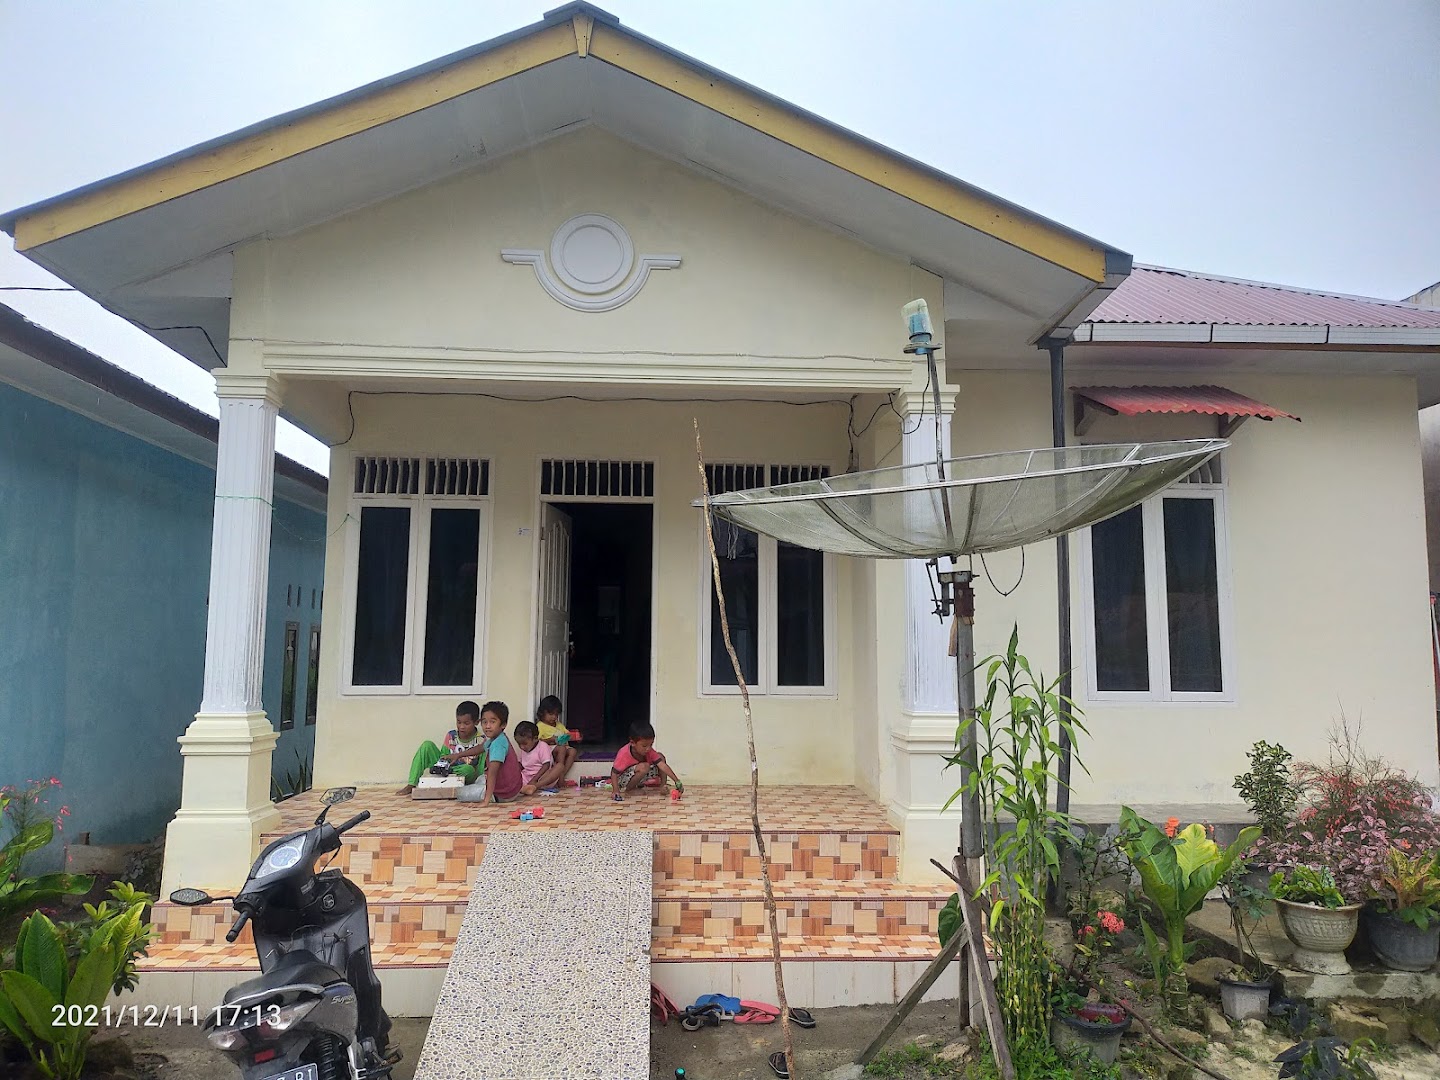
740,1053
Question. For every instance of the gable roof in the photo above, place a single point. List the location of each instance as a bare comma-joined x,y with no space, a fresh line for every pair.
151,243
1183,305
49,366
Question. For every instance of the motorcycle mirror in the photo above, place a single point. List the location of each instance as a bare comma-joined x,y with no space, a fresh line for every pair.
337,795
189,897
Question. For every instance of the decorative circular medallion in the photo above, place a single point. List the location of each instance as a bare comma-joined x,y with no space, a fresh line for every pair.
592,254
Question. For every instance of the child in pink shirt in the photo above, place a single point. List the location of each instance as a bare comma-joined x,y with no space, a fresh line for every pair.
538,767
638,761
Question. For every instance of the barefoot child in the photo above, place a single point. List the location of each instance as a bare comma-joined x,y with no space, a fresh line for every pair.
538,767
462,746
556,735
639,761
502,763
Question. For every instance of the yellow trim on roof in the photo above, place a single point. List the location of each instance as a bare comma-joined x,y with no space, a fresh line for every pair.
870,163
277,144
579,36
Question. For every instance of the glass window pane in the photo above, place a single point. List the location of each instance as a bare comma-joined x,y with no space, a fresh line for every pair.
1192,602
312,675
799,616
451,596
739,552
1122,655
381,586
288,670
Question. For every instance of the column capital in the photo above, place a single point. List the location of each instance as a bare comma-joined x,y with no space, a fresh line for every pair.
917,401
233,385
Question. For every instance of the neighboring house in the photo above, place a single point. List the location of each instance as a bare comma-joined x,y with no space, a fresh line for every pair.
1430,445
504,285
106,496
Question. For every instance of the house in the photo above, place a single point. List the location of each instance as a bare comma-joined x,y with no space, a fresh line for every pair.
504,286
105,513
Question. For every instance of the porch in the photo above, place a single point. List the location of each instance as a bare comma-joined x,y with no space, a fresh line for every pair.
851,933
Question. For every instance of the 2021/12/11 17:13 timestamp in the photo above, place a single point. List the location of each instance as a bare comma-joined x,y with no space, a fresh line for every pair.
159,1016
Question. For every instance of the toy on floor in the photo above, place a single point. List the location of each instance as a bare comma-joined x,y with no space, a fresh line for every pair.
532,814
433,786
675,794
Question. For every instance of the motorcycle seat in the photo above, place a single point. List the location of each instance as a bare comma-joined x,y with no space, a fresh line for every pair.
296,968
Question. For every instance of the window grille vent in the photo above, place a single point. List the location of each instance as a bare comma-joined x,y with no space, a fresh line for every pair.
726,478
466,477
387,476
795,474
1209,473
598,479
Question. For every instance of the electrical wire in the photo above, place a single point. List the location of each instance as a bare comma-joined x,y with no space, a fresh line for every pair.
1003,592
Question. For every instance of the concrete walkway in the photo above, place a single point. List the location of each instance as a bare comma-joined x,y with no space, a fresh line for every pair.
550,977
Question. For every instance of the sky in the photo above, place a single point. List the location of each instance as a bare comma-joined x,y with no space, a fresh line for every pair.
1295,141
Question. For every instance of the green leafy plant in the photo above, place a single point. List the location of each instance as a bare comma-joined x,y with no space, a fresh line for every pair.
1307,885
77,936
1247,907
19,893
1409,888
1177,868
301,778
1267,787
49,1000
1018,726
951,920
1325,1058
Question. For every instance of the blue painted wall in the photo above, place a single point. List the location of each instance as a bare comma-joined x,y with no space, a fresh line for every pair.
104,571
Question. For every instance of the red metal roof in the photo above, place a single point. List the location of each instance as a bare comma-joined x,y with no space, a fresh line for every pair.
1157,294
1210,400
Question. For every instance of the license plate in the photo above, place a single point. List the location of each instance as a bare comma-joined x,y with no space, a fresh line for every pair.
304,1072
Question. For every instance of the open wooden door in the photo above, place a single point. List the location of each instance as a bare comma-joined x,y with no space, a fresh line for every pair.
552,598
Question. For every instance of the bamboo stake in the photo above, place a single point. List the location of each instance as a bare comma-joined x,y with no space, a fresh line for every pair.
754,765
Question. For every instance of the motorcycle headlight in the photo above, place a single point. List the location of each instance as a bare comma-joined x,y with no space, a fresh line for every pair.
277,1021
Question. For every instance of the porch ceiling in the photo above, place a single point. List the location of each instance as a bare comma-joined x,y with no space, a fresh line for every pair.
153,245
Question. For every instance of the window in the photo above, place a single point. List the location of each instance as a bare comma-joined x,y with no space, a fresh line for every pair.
778,599
1157,623
312,675
287,675
417,568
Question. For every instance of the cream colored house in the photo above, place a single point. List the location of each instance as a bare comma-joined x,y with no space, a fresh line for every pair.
506,285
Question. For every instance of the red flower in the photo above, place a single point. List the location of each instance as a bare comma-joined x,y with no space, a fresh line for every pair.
1111,923
1172,825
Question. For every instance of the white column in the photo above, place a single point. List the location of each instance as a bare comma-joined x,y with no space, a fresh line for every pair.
924,734
225,795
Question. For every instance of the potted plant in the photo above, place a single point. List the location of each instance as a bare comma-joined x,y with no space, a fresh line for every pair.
1404,920
1270,793
1245,990
1076,1021
1316,918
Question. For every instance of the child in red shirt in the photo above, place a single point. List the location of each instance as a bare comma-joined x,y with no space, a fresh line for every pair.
639,761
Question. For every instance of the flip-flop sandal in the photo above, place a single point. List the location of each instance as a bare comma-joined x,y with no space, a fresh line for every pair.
757,1012
802,1017
777,1063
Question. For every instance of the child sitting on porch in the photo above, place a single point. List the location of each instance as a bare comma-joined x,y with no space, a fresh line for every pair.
502,763
462,746
538,767
556,735
638,762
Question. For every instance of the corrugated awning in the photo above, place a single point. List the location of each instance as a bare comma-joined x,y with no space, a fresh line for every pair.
1232,408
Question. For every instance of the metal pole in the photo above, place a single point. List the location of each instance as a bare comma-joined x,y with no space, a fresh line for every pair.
972,832
1062,571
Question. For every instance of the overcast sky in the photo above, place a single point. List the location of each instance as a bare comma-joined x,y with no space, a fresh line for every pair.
1296,142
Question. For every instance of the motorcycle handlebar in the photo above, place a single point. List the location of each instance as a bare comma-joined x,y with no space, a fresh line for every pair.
239,924
364,815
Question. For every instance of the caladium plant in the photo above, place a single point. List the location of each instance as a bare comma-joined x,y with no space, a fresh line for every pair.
1177,868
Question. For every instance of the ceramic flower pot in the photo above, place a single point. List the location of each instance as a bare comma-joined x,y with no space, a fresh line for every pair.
1097,1028
1321,935
1399,945
1241,1000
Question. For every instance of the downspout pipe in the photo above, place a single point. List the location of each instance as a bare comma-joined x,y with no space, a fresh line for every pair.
1056,348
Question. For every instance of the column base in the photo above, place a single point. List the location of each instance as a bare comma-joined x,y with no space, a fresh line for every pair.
224,803
922,742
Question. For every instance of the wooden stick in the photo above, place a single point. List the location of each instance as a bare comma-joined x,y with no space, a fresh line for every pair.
1165,1045
957,943
990,1003
754,765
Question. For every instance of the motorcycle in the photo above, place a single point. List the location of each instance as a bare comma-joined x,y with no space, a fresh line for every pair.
314,1011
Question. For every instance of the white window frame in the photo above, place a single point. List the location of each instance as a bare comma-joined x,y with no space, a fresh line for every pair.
768,659
1156,615
421,507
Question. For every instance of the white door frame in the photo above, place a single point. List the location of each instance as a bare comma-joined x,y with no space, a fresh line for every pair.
541,499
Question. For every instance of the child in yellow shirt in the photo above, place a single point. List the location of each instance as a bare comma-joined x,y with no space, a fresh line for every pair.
560,738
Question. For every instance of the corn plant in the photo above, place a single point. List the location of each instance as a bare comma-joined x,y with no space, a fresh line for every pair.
1018,726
